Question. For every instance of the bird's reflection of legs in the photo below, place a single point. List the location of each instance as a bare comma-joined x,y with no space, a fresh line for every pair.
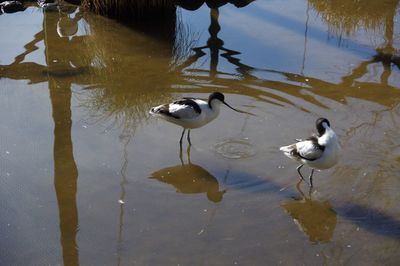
309,177
180,155
301,192
187,153
225,179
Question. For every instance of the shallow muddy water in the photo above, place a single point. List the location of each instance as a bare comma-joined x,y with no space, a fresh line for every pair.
87,177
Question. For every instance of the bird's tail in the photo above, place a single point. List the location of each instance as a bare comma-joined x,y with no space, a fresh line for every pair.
288,150
155,110
152,111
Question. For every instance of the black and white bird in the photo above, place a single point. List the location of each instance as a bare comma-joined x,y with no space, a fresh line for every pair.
191,113
318,151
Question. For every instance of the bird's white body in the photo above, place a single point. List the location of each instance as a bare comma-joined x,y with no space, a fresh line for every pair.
186,116
307,151
191,113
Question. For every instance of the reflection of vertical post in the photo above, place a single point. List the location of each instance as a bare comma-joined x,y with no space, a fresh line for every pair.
65,170
389,25
214,43
305,40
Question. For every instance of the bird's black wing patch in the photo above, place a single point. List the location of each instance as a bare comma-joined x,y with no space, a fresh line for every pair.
308,151
314,140
191,103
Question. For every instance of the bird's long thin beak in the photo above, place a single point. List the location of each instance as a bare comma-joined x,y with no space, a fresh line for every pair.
237,110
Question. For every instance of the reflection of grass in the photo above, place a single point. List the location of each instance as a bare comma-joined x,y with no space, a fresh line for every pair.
118,106
130,74
131,71
185,41
347,16
128,8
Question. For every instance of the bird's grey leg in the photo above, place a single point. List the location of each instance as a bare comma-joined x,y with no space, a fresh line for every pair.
310,177
188,137
183,133
298,170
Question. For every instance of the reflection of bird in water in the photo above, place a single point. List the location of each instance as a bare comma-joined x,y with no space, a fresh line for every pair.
11,6
319,151
48,4
191,112
67,25
190,179
315,218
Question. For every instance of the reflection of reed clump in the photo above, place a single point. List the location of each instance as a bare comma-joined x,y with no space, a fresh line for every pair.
185,41
132,9
347,16
128,75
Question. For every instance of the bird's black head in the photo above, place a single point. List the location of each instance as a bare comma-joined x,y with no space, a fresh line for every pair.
219,96
216,95
319,124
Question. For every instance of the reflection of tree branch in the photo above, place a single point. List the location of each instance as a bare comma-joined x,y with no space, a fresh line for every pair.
184,41
356,73
29,47
33,72
192,59
353,130
243,69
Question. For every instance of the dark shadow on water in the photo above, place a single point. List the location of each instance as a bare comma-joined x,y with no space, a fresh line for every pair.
161,26
372,220
259,184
